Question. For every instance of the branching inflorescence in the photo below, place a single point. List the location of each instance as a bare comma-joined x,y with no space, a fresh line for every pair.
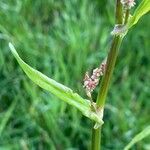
90,83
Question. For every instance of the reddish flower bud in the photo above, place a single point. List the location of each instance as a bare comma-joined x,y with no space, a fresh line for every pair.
90,83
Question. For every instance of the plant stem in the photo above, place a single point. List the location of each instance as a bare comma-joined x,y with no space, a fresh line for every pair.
96,137
116,42
119,13
112,56
109,70
127,13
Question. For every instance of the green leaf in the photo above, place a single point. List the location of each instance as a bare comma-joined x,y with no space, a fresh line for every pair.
7,115
141,10
59,90
143,134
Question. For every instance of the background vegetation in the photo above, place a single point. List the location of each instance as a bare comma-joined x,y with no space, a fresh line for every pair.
63,39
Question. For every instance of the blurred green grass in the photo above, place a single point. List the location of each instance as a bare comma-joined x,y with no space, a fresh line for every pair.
63,39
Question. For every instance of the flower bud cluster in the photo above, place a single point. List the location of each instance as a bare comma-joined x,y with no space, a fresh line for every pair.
128,4
90,83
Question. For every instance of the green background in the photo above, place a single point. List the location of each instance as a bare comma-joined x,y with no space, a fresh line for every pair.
63,39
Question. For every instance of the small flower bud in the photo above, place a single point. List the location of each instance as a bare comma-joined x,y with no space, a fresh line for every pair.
128,4
90,83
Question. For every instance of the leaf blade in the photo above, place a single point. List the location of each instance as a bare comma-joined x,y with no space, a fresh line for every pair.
143,134
59,90
141,10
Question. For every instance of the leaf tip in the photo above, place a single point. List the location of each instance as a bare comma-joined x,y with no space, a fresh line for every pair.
12,48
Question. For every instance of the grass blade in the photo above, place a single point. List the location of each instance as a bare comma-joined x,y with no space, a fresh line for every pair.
143,134
7,116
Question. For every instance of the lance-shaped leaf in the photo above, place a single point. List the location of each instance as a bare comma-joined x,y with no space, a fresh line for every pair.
141,10
59,90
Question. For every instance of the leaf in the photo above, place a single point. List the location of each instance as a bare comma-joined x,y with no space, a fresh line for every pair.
7,115
59,90
141,10
143,134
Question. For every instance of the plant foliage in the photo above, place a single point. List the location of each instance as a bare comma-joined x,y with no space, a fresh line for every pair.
59,90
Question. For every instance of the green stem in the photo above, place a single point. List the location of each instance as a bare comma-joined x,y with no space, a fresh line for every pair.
112,56
119,13
96,137
127,13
